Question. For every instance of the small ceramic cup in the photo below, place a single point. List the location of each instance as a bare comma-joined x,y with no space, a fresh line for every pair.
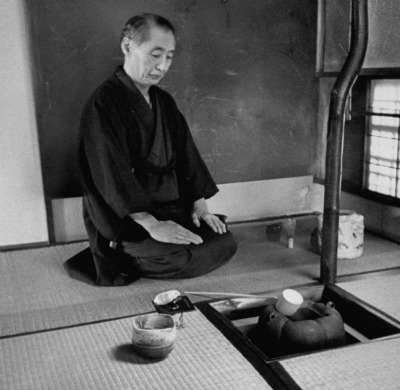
153,335
168,301
288,302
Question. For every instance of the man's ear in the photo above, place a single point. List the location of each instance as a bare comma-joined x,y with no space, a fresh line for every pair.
126,45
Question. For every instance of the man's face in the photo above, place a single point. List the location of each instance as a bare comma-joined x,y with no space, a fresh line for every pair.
147,63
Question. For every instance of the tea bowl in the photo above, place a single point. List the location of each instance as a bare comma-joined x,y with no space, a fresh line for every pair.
153,335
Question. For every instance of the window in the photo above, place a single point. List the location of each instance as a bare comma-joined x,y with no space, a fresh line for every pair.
381,163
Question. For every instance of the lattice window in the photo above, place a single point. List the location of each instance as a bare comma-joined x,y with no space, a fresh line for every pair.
382,166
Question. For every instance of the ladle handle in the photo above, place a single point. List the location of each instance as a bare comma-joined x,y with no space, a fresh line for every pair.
224,294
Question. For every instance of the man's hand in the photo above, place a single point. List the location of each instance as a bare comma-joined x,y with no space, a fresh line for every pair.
173,233
200,212
166,231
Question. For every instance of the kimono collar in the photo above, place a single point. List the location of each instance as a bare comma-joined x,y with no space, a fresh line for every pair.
140,107
161,154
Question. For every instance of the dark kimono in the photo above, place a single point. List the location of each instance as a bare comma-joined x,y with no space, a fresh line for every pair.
134,159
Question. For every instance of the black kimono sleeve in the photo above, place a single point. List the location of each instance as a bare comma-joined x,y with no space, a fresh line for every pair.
198,180
108,159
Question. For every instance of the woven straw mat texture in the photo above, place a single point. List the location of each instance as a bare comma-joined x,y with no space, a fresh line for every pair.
368,366
378,291
36,292
100,356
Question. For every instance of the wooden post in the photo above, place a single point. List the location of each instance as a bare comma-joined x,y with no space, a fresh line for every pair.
333,176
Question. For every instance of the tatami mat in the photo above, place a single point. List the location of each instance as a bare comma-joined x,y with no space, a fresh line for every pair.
36,292
380,291
99,356
368,366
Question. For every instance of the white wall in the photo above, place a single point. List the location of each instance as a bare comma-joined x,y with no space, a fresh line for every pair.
22,208
239,201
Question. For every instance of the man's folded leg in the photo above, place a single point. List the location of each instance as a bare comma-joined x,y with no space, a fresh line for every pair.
210,255
163,261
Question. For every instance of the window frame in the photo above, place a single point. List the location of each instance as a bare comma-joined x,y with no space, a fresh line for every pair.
358,100
368,136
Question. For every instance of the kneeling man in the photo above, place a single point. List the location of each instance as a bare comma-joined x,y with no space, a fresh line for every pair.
145,183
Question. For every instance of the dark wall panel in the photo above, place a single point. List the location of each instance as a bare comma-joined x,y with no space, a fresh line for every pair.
336,34
384,34
243,76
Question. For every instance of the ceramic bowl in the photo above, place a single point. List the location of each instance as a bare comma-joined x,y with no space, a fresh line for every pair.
154,352
153,335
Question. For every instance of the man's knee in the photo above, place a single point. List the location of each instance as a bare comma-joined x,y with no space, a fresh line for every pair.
155,259
223,247
210,255
162,261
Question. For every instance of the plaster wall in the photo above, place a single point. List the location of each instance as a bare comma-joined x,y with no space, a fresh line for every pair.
238,201
22,206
